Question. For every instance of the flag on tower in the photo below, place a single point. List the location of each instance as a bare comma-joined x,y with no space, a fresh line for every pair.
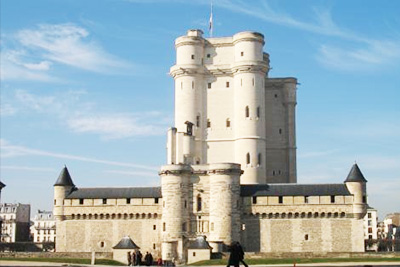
210,26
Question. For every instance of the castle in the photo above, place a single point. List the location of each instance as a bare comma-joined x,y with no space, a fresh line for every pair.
230,173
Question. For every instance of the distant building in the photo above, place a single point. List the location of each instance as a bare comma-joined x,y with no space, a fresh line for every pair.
16,220
44,227
371,229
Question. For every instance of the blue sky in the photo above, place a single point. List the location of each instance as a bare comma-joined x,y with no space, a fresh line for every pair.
86,84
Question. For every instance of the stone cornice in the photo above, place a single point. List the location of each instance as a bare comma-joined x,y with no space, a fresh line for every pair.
174,172
225,171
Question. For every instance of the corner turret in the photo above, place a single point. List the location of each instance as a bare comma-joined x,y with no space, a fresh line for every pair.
357,185
62,188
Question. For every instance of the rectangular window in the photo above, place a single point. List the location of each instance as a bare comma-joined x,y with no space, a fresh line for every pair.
192,56
208,123
280,199
164,227
208,55
154,227
228,123
369,215
209,85
197,121
241,54
332,199
254,200
81,201
154,246
370,230
227,84
194,254
128,201
306,199
156,200
104,200
364,199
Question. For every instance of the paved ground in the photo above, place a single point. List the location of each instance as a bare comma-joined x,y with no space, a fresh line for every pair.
341,264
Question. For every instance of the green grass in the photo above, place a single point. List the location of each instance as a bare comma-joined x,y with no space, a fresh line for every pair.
65,260
290,261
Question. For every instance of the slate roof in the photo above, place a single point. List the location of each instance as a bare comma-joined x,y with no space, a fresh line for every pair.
355,175
116,192
64,179
126,243
199,243
294,190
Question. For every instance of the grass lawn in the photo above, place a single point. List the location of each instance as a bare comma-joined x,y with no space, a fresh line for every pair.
66,260
290,261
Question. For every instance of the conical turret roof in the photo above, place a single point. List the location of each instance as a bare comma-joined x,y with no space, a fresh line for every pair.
126,243
355,175
2,185
64,179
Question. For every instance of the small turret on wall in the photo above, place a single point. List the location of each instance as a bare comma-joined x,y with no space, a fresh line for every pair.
63,186
357,185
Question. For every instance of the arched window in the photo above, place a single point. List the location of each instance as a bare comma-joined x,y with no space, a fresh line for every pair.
248,158
228,123
259,158
199,204
247,111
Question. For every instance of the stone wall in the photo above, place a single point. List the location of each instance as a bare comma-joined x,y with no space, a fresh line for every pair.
102,235
74,255
302,235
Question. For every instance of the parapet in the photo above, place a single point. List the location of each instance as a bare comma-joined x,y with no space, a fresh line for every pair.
248,36
195,32
175,169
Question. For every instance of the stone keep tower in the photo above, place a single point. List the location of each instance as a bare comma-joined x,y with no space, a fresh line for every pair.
234,111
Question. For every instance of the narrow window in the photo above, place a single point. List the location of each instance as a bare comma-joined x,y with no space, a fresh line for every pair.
209,85
254,200
243,226
192,56
208,55
241,54
185,204
280,131
259,159
194,254
164,227
184,227
247,112
258,112
55,202
273,173
364,199
369,215
104,200
128,201
102,244
81,201
306,237
212,226
253,82
208,123
276,96
192,84
227,84
199,203
306,199
228,123
156,200
181,85
154,246
163,204
332,199
241,82
280,199
248,158
198,121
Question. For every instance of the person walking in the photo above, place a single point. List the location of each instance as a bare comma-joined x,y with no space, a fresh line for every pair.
128,257
234,256
139,258
133,258
241,254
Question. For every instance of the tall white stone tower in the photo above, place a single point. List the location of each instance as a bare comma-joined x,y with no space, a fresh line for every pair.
227,109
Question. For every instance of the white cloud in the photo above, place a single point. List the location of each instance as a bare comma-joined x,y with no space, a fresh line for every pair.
35,52
8,150
68,44
7,110
135,173
114,126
